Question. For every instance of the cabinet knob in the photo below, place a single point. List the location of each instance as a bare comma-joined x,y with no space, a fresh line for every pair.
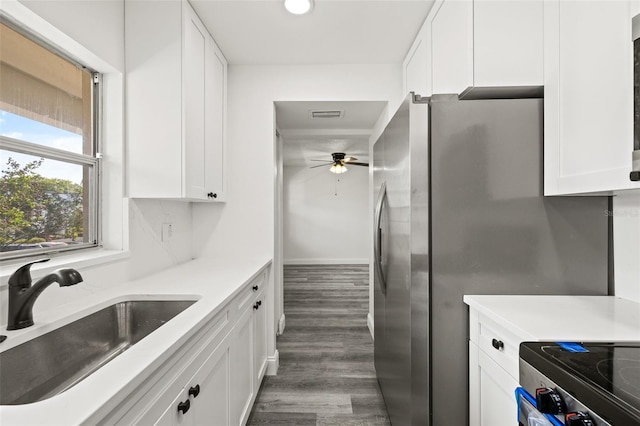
497,344
184,406
194,390
255,288
212,195
256,305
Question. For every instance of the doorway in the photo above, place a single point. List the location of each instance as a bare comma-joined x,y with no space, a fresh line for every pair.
322,217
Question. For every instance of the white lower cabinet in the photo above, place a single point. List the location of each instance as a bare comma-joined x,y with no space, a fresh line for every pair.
491,391
249,358
493,373
260,330
214,377
205,398
242,387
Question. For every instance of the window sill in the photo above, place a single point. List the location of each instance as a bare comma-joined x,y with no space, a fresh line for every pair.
88,258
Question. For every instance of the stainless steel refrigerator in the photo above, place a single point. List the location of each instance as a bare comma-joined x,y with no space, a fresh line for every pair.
459,210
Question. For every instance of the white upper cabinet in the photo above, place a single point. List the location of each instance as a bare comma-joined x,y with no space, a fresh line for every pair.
508,42
482,43
215,125
588,79
176,103
452,47
415,78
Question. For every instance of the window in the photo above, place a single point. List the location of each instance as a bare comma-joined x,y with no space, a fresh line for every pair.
48,149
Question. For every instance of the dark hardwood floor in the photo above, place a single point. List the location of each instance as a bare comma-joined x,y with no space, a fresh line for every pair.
326,374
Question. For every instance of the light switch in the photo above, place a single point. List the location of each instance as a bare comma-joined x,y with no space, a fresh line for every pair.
167,232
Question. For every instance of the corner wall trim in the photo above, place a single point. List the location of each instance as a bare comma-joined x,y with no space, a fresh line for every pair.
370,325
273,363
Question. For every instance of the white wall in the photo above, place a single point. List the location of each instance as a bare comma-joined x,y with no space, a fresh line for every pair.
98,25
626,237
326,216
245,225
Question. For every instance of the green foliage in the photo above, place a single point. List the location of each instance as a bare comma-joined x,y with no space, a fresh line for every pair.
34,207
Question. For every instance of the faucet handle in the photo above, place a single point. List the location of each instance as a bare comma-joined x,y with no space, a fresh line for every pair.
22,276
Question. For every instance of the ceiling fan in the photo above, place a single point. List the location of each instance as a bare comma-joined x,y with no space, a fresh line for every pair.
339,159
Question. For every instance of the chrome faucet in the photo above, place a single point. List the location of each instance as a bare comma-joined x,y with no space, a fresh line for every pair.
22,295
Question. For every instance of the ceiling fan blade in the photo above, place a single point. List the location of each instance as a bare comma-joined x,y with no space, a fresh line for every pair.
349,159
359,164
312,159
321,165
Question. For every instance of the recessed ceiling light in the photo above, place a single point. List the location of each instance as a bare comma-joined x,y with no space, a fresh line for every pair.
298,7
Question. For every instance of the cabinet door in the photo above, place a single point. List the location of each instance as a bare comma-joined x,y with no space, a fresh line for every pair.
588,108
195,46
209,402
507,42
215,110
212,405
452,47
492,400
154,131
242,377
260,330
416,67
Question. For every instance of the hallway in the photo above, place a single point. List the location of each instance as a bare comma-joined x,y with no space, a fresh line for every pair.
326,374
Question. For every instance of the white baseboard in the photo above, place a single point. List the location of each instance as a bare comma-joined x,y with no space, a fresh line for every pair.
281,325
349,261
273,363
370,324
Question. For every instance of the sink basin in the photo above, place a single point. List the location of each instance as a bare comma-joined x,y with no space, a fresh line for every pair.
54,362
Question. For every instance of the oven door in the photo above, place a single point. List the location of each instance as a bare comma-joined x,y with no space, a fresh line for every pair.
528,414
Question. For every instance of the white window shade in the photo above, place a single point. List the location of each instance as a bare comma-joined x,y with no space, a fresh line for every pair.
40,85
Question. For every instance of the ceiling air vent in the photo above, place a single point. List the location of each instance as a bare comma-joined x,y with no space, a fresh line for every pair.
335,113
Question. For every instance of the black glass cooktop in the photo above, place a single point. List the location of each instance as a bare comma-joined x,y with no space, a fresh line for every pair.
603,376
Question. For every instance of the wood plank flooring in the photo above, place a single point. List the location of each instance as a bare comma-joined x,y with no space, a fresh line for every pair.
326,374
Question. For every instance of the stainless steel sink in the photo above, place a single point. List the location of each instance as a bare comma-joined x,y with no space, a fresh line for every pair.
54,362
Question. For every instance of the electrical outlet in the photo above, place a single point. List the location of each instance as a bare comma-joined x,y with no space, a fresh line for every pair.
167,232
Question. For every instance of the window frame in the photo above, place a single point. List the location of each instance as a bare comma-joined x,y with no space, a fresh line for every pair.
93,161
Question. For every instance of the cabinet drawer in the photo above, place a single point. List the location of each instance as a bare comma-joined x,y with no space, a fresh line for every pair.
248,294
499,344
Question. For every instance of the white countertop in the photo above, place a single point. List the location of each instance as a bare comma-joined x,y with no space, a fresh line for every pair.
563,318
212,283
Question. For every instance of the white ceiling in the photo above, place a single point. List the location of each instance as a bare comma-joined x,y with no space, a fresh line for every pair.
306,139
335,32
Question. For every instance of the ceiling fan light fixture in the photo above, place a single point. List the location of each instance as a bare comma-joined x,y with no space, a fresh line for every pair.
338,168
298,7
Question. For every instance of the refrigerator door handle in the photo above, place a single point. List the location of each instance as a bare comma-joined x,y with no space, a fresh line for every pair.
377,237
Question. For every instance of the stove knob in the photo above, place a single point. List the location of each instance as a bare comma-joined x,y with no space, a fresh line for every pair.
549,402
579,418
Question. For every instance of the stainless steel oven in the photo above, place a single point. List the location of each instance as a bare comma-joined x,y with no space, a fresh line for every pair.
571,384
